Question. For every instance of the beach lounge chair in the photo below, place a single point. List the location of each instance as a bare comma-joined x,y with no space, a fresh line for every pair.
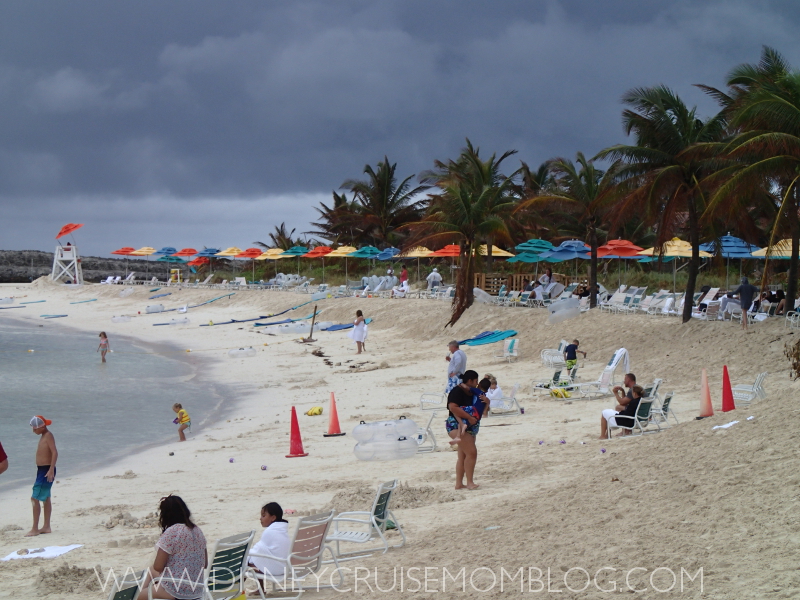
432,401
640,421
660,415
507,406
372,525
304,562
510,350
108,280
130,279
225,575
426,440
711,313
746,393
615,300
511,299
126,588
635,303
302,288
554,357
501,296
544,387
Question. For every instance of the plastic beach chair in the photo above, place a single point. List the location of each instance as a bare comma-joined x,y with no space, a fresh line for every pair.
372,525
303,569
510,406
640,420
126,588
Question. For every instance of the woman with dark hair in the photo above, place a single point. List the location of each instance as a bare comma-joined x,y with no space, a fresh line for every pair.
274,542
359,332
460,397
181,554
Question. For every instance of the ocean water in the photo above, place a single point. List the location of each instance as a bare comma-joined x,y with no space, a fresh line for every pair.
99,412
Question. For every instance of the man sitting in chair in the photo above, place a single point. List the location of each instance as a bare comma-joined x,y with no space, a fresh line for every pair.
625,404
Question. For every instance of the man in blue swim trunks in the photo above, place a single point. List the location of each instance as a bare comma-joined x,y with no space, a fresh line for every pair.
46,457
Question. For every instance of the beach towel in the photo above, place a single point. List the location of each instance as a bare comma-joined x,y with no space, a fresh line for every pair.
497,336
49,552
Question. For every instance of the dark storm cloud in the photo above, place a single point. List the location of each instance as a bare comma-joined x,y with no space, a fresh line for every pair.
227,118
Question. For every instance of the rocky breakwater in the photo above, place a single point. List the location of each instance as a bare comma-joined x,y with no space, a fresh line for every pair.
22,266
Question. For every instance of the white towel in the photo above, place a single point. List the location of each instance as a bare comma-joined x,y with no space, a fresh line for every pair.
49,552
731,424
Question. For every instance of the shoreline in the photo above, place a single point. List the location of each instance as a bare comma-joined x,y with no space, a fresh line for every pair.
165,350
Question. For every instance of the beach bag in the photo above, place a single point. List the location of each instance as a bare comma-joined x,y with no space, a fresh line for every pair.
560,393
314,411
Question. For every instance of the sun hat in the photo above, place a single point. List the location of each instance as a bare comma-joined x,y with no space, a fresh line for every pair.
39,421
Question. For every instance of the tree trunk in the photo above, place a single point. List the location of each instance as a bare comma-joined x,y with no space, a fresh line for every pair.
694,262
791,282
489,254
593,267
464,296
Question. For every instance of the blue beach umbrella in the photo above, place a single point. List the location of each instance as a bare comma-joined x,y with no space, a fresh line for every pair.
730,247
569,250
388,254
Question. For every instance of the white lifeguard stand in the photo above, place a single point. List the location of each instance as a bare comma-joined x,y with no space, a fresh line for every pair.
67,265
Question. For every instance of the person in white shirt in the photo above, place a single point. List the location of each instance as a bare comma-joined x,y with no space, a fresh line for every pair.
434,279
456,365
495,394
546,278
401,290
274,542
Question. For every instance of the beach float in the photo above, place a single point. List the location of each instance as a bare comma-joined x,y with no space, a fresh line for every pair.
6,301
126,293
120,319
154,308
561,310
385,440
53,316
84,301
242,352
34,302
183,321
159,296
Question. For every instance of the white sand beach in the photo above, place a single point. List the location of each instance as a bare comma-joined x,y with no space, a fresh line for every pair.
687,498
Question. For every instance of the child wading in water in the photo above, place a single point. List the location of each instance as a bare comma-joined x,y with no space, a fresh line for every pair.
479,404
182,420
103,347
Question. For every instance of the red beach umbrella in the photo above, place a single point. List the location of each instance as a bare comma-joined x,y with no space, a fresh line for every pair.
251,253
124,252
68,228
186,252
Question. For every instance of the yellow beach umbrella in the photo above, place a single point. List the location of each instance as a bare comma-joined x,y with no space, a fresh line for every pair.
144,251
342,252
416,252
782,249
496,252
676,248
271,254
232,251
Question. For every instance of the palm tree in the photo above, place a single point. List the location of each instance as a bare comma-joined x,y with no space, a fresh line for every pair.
660,172
382,204
473,195
580,191
280,238
764,107
338,223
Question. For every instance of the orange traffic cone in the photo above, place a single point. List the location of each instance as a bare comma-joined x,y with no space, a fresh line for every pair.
333,420
295,441
706,410
727,391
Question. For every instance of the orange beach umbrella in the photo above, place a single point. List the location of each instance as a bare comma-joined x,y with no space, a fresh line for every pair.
68,228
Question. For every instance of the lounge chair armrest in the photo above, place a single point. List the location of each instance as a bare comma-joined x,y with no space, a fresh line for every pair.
353,515
259,555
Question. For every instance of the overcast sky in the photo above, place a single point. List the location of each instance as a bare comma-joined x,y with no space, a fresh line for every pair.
205,123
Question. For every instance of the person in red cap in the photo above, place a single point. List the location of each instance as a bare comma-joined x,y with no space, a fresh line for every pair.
46,457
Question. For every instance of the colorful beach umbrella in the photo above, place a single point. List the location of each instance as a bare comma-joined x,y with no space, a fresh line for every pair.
251,253
782,249
68,228
186,252
342,252
296,251
451,250
165,251
535,245
126,251
229,252
676,248
145,251
496,252
199,261
729,247
416,252
388,254
319,252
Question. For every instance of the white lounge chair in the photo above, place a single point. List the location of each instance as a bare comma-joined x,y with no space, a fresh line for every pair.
640,421
506,406
130,279
432,401
660,415
746,393
303,570
373,526
426,440
510,350
108,280
554,357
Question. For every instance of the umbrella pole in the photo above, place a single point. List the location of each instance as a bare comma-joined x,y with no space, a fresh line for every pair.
727,278
323,269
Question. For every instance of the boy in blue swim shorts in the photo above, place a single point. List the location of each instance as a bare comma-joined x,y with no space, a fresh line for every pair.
46,457
476,410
